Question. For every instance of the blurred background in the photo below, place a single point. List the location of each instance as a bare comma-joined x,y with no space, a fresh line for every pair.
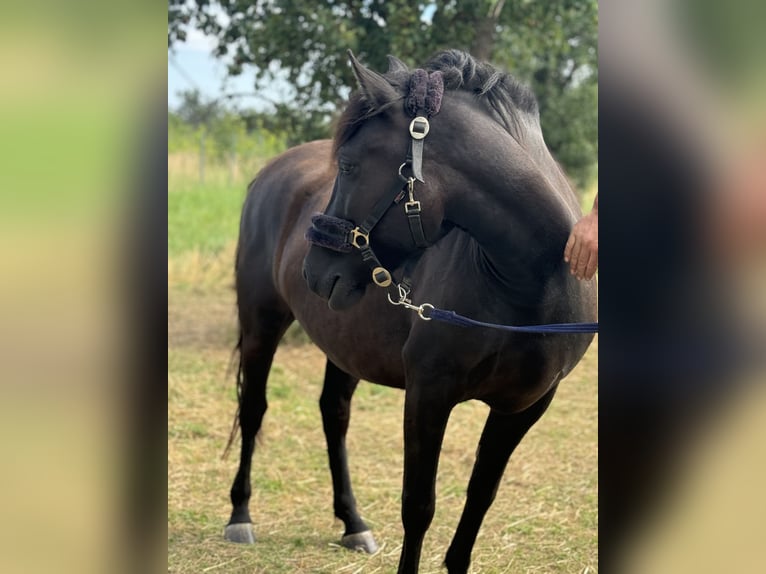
682,284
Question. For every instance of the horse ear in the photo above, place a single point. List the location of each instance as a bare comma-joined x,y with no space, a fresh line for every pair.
374,87
396,65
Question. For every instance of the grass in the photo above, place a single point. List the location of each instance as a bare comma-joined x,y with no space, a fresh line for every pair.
203,219
543,521
203,222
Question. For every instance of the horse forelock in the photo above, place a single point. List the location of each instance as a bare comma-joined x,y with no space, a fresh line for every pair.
509,98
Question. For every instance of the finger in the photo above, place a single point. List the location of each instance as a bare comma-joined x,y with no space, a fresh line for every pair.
590,269
574,256
568,248
581,262
587,264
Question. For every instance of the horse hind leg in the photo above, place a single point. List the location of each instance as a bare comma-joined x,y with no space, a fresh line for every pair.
257,346
501,435
335,405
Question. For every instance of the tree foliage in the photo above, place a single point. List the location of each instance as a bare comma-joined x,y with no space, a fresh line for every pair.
551,45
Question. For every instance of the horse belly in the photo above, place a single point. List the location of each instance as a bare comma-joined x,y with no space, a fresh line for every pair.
522,371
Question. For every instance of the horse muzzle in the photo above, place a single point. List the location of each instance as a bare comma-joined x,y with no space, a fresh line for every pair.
327,277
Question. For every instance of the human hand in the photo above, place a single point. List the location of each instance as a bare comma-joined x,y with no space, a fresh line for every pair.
581,251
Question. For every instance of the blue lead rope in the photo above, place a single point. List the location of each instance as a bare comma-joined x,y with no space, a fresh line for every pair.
427,312
455,319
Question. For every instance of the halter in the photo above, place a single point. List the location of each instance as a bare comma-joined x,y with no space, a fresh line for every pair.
423,101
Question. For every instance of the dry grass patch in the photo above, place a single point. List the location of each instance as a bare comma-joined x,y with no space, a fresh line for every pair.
544,518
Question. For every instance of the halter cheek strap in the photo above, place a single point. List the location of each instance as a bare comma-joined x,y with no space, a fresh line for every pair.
424,99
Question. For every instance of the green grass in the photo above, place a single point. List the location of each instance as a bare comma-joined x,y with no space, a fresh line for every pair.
203,218
203,226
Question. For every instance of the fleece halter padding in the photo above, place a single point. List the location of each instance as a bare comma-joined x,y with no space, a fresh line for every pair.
330,232
424,93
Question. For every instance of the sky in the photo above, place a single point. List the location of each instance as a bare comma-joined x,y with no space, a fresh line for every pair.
191,65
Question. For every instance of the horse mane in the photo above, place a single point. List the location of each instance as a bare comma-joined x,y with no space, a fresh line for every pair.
506,96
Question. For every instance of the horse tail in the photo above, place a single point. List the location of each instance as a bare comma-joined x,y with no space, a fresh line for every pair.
237,351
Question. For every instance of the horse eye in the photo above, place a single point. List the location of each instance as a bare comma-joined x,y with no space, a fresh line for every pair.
345,167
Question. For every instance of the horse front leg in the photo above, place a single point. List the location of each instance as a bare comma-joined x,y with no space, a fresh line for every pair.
426,412
335,404
501,435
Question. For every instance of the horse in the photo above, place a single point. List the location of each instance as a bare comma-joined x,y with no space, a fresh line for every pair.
486,214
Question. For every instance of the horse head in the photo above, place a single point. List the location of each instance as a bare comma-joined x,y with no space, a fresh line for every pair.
385,207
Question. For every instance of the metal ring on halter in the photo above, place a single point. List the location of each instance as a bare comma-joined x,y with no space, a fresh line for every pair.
401,175
403,292
422,309
392,301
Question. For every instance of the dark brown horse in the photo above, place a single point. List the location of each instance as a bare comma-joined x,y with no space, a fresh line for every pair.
440,177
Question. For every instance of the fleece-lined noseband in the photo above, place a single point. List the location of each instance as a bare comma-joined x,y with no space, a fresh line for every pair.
423,100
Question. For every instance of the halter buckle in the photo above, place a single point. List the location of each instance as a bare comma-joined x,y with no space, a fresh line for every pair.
359,239
381,277
419,128
412,207
422,311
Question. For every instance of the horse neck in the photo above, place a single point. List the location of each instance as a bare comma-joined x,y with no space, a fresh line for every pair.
517,205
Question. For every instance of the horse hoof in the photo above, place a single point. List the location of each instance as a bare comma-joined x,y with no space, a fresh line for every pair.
361,542
242,533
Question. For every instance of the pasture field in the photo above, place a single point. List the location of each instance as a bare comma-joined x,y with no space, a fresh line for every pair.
544,519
